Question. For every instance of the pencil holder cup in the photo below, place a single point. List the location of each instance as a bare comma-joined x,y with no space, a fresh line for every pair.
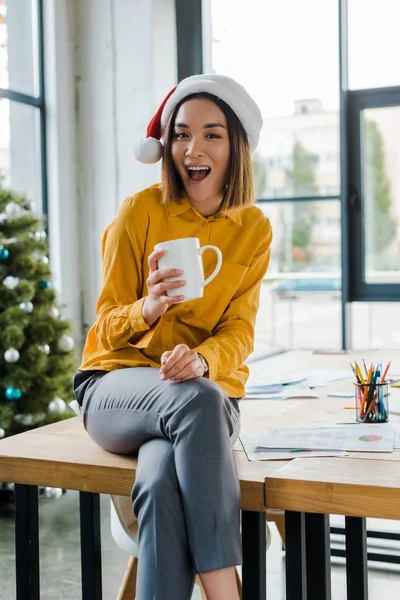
372,402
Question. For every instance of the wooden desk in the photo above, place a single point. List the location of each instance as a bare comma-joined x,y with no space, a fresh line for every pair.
63,455
337,486
310,489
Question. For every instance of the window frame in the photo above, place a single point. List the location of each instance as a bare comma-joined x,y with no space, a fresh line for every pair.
359,289
36,102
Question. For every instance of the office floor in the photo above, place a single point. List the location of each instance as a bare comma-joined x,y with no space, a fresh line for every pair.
60,558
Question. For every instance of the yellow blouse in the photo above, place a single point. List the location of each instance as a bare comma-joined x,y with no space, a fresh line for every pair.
220,325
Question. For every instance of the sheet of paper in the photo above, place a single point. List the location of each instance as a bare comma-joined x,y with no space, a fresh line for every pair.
395,425
254,454
297,390
258,380
321,377
351,438
259,395
274,387
315,377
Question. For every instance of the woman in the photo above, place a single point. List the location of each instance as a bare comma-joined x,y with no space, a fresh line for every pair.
163,377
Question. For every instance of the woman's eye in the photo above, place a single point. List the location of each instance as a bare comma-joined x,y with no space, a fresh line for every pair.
213,136
180,135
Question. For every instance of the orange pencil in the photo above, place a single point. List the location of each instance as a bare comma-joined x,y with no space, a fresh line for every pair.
375,398
360,397
385,372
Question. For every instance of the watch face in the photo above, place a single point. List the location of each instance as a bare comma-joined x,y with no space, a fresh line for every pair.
203,362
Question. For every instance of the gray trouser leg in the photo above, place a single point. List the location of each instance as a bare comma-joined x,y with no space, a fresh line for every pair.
165,568
126,408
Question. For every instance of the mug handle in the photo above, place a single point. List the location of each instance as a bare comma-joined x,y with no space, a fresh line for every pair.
219,263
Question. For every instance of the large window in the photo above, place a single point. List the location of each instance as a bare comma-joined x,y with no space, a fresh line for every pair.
373,232
374,43
329,209
22,125
286,54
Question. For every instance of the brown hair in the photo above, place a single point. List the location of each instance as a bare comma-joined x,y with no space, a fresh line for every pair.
239,190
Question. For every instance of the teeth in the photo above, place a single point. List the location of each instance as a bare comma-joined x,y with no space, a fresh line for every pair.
199,168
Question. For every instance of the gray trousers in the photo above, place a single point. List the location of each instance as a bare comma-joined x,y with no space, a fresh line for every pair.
186,495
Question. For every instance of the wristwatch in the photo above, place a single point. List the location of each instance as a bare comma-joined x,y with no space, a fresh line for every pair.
203,361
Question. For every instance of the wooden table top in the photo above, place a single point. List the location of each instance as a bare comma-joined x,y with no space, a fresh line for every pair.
63,455
310,412
339,486
362,484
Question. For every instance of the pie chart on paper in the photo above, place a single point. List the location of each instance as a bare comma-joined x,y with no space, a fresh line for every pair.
370,438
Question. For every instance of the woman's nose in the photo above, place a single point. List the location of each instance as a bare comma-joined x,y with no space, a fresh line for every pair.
194,147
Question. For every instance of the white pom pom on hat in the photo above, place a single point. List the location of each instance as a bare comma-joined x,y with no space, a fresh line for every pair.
150,149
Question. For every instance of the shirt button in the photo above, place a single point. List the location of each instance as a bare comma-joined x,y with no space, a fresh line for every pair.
169,319
186,306
169,347
204,224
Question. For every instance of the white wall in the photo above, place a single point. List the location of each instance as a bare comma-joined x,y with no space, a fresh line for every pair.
109,64
62,156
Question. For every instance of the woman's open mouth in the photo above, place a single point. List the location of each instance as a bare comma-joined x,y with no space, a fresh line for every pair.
198,173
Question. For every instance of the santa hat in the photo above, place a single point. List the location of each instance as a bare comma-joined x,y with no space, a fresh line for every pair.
150,150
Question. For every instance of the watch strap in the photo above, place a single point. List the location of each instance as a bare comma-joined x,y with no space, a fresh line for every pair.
203,362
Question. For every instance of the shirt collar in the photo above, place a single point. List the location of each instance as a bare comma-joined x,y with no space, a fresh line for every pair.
177,209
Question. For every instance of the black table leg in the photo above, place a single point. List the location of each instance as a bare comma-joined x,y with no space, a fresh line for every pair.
318,557
254,570
26,541
90,546
296,576
356,558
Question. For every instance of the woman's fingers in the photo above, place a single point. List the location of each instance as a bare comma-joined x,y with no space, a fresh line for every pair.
182,363
161,274
158,301
171,299
165,355
157,285
191,371
165,286
176,369
153,259
176,355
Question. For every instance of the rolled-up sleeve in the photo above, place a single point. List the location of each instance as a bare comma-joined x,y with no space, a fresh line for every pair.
233,337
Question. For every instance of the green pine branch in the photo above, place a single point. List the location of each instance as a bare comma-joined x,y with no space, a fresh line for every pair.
28,325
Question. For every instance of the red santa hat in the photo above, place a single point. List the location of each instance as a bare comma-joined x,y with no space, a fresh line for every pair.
150,149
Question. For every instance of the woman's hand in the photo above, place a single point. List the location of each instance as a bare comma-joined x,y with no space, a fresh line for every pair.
157,300
181,364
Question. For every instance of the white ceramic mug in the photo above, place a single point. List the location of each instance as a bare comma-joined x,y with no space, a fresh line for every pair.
186,254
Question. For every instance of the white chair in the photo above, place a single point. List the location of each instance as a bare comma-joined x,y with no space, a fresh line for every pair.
124,530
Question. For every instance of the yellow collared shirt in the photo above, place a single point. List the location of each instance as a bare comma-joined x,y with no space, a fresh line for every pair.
220,325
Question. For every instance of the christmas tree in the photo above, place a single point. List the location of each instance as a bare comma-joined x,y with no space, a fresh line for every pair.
37,360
